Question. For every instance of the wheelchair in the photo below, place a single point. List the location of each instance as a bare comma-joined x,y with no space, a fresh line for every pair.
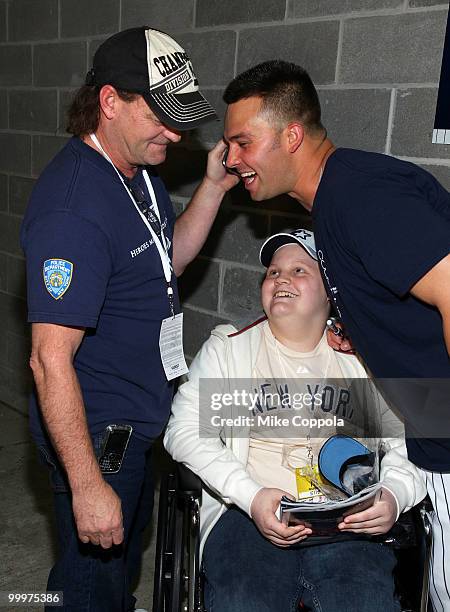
178,579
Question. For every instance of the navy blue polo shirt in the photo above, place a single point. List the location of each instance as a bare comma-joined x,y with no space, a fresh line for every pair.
91,262
381,224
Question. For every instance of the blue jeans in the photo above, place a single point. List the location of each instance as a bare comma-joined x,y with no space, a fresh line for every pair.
93,579
244,572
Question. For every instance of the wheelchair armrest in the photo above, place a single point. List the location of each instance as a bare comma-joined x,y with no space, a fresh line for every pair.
189,483
424,508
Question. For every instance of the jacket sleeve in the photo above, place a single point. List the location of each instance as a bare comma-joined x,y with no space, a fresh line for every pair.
194,440
397,474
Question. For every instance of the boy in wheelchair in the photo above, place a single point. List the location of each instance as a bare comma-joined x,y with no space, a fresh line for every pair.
251,559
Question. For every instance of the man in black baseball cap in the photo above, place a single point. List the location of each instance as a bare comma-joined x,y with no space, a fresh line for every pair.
151,63
103,255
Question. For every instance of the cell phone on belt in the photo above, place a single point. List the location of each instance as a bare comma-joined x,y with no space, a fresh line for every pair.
114,447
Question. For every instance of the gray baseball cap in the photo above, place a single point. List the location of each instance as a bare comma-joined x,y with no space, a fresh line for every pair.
303,237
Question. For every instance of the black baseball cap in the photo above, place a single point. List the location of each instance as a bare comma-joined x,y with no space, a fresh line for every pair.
151,63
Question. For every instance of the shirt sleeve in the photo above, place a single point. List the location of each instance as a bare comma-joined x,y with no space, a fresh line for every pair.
68,268
398,233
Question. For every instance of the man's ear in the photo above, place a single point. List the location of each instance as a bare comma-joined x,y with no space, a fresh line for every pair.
108,100
294,135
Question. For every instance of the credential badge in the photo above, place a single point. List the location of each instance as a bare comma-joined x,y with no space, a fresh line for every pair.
57,276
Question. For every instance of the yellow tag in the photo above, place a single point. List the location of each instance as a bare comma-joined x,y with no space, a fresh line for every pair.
305,487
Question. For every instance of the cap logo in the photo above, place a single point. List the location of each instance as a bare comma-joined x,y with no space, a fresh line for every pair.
175,77
302,234
172,90
174,83
166,64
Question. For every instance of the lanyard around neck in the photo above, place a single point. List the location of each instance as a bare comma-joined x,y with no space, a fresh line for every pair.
162,247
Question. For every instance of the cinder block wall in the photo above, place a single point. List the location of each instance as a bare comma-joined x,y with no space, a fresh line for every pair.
376,64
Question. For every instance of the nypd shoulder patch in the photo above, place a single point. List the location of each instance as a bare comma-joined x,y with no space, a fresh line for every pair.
57,276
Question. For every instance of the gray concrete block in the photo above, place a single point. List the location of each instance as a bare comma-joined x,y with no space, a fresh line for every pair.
19,350
3,192
323,8
393,49
16,279
9,233
312,45
87,18
3,109
31,20
33,110
65,100
62,64
15,65
183,170
241,293
210,132
19,464
197,327
3,271
19,193
44,149
199,284
15,153
21,387
442,173
26,494
420,3
3,6
413,125
178,207
212,55
14,428
13,313
15,386
356,118
3,354
166,15
216,12
237,236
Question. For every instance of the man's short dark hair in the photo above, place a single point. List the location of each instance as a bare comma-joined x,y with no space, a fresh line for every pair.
287,92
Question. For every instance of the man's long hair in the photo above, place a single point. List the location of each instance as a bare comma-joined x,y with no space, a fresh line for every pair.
287,93
84,112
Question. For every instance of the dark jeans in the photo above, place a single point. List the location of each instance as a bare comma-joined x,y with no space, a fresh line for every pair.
244,572
93,579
